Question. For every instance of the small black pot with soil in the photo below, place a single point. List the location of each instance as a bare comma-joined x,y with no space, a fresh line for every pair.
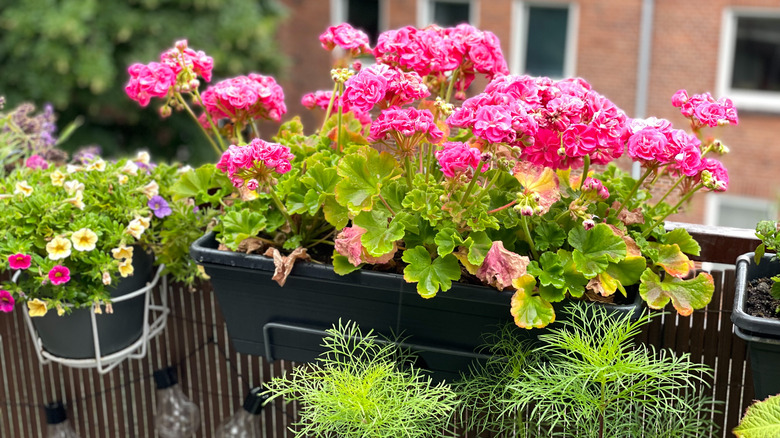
756,320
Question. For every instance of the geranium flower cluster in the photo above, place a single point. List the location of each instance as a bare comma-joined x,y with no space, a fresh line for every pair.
383,85
438,52
407,126
252,165
245,98
704,110
457,158
354,41
179,65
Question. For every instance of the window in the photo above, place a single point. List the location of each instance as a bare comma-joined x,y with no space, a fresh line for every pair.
749,59
445,13
544,39
738,211
361,14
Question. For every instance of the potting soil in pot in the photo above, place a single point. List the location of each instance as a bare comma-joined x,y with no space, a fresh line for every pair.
760,302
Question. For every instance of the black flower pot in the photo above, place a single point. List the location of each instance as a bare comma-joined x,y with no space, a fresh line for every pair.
761,334
71,335
288,322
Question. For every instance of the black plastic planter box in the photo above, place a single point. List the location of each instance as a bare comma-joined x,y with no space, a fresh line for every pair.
289,322
762,334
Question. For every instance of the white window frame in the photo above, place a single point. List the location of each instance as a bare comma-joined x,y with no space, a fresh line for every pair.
425,11
714,201
765,101
338,13
519,41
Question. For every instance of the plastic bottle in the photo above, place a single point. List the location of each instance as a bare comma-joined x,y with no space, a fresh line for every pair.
246,422
57,424
176,416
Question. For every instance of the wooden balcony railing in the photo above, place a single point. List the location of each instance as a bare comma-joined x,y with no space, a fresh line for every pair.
121,403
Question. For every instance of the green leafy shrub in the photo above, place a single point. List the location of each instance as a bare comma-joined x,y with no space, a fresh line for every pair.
587,379
361,387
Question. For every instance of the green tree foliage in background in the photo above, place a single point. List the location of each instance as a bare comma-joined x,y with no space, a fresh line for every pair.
75,54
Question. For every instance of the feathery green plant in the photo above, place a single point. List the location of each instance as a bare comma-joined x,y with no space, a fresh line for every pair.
363,387
588,379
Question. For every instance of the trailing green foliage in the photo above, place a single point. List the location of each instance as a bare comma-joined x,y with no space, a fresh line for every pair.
588,378
362,387
74,54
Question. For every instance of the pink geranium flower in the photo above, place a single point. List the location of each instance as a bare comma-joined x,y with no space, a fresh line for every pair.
36,162
245,98
19,261
181,56
254,161
6,301
152,80
346,37
456,158
59,275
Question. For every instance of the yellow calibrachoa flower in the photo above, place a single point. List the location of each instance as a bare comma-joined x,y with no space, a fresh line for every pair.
58,248
73,186
135,228
84,239
151,190
98,309
143,157
57,178
97,164
126,268
122,252
24,188
130,168
60,310
122,179
145,221
36,307
73,168
77,200
106,278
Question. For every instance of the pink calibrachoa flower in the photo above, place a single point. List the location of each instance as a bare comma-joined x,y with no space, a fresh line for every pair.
255,160
19,261
181,56
347,243
152,80
6,301
59,275
36,162
244,98
347,37
457,158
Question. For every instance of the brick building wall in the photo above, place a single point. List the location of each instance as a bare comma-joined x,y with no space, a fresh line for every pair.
684,54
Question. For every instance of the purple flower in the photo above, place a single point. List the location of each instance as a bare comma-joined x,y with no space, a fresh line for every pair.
159,206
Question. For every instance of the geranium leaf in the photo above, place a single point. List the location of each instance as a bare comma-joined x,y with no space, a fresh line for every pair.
478,244
425,201
342,266
321,178
549,270
447,239
548,235
501,266
598,241
198,182
762,420
335,213
603,284
686,295
364,173
627,271
674,262
529,310
238,225
430,275
575,281
683,239
540,182
380,236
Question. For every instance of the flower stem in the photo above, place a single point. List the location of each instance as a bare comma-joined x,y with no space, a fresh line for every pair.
211,121
585,168
634,190
409,171
503,207
451,85
470,187
330,106
338,140
528,237
197,122
673,209
671,190
386,205
283,210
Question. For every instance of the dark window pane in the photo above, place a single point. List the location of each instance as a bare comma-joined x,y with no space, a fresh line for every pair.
757,54
447,14
546,46
364,15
